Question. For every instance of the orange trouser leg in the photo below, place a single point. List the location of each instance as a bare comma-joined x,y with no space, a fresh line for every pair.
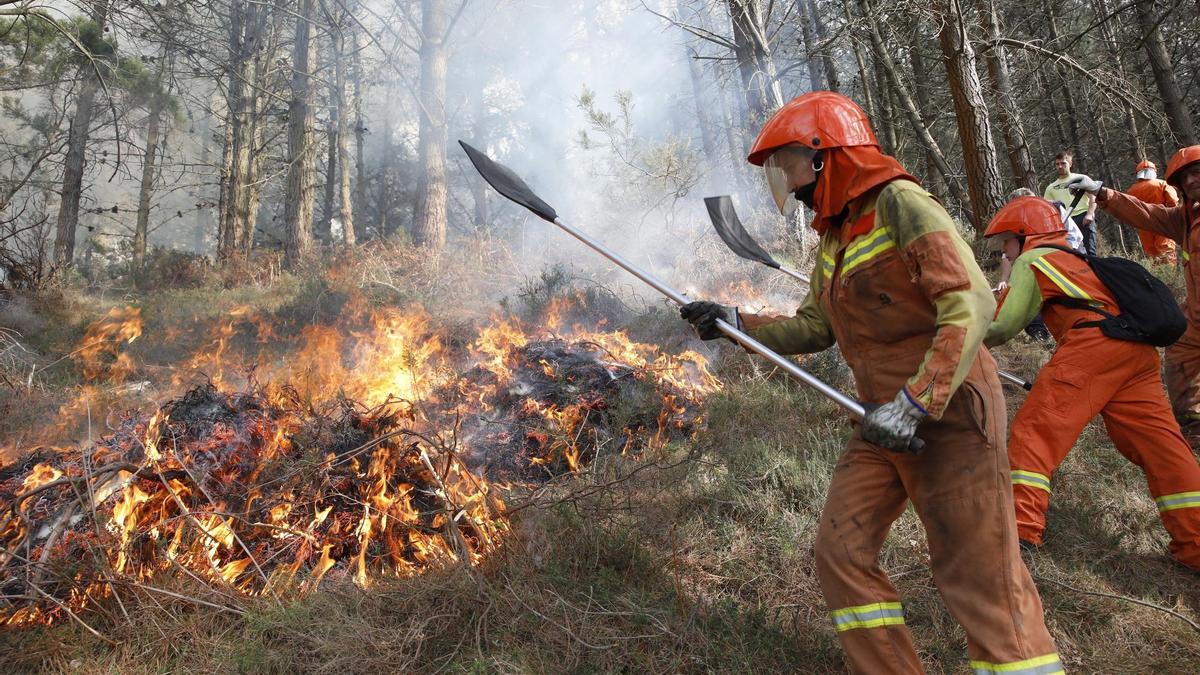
1139,421
1183,377
961,490
865,498
1044,431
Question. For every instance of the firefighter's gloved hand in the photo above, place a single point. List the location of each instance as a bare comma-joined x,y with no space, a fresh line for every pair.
1084,184
703,316
892,425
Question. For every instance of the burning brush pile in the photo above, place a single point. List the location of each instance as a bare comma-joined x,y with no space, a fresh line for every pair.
365,449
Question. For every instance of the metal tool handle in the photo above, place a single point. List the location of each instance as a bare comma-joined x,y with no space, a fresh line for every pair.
1020,382
853,406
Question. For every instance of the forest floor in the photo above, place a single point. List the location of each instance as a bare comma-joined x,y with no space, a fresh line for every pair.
697,558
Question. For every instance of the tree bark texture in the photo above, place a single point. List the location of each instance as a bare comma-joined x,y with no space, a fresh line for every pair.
75,162
1178,117
1008,112
298,207
251,51
141,230
932,150
341,109
429,223
808,37
755,65
984,184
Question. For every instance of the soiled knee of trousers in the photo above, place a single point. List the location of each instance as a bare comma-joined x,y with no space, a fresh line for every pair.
831,553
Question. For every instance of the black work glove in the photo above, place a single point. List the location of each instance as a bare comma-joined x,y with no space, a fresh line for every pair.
703,316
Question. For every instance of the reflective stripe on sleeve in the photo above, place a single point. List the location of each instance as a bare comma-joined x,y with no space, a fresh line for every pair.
868,616
1042,665
1179,500
1031,478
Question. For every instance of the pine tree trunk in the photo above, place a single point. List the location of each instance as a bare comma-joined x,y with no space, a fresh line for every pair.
204,219
868,97
226,230
76,161
934,153
920,96
755,65
429,225
243,18
1008,112
341,108
360,129
149,169
984,184
822,34
1065,92
324,230
808,39
1178,116
298,212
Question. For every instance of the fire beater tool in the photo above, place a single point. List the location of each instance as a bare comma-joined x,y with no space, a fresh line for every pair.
513,188
725,219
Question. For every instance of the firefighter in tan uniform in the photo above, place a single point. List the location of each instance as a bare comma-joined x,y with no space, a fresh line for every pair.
898,290
1180,223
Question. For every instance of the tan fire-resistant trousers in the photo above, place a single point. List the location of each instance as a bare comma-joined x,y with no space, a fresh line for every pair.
961,489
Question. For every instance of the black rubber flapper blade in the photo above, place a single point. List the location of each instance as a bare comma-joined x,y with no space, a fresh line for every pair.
729,227
508,184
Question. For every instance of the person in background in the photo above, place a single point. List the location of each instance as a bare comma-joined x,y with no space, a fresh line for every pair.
1148,188
1090,374
1084,213
1180,223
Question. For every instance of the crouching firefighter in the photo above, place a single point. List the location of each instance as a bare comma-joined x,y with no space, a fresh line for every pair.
1090,373
898,290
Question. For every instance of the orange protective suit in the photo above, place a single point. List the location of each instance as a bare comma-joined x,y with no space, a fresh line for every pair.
1092,374
1158,248
898,290
1182,224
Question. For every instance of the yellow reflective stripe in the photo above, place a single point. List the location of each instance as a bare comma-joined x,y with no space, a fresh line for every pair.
1179,500
1186,256
866,248
1041,665
1061,280
1031,478
827,263
873,615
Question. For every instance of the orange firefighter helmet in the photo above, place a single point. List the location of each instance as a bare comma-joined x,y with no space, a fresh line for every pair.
1026,216
818,120
1145,164
1181,160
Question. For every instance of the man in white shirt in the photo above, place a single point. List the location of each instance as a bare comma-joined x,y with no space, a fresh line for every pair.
1084,214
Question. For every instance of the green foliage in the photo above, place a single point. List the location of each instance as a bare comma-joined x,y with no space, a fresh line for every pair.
639,172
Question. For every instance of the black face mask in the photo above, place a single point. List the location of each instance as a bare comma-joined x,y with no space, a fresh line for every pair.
805,194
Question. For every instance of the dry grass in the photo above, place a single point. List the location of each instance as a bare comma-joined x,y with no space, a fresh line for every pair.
696,561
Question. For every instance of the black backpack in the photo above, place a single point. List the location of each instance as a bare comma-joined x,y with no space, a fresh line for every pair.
1149,311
